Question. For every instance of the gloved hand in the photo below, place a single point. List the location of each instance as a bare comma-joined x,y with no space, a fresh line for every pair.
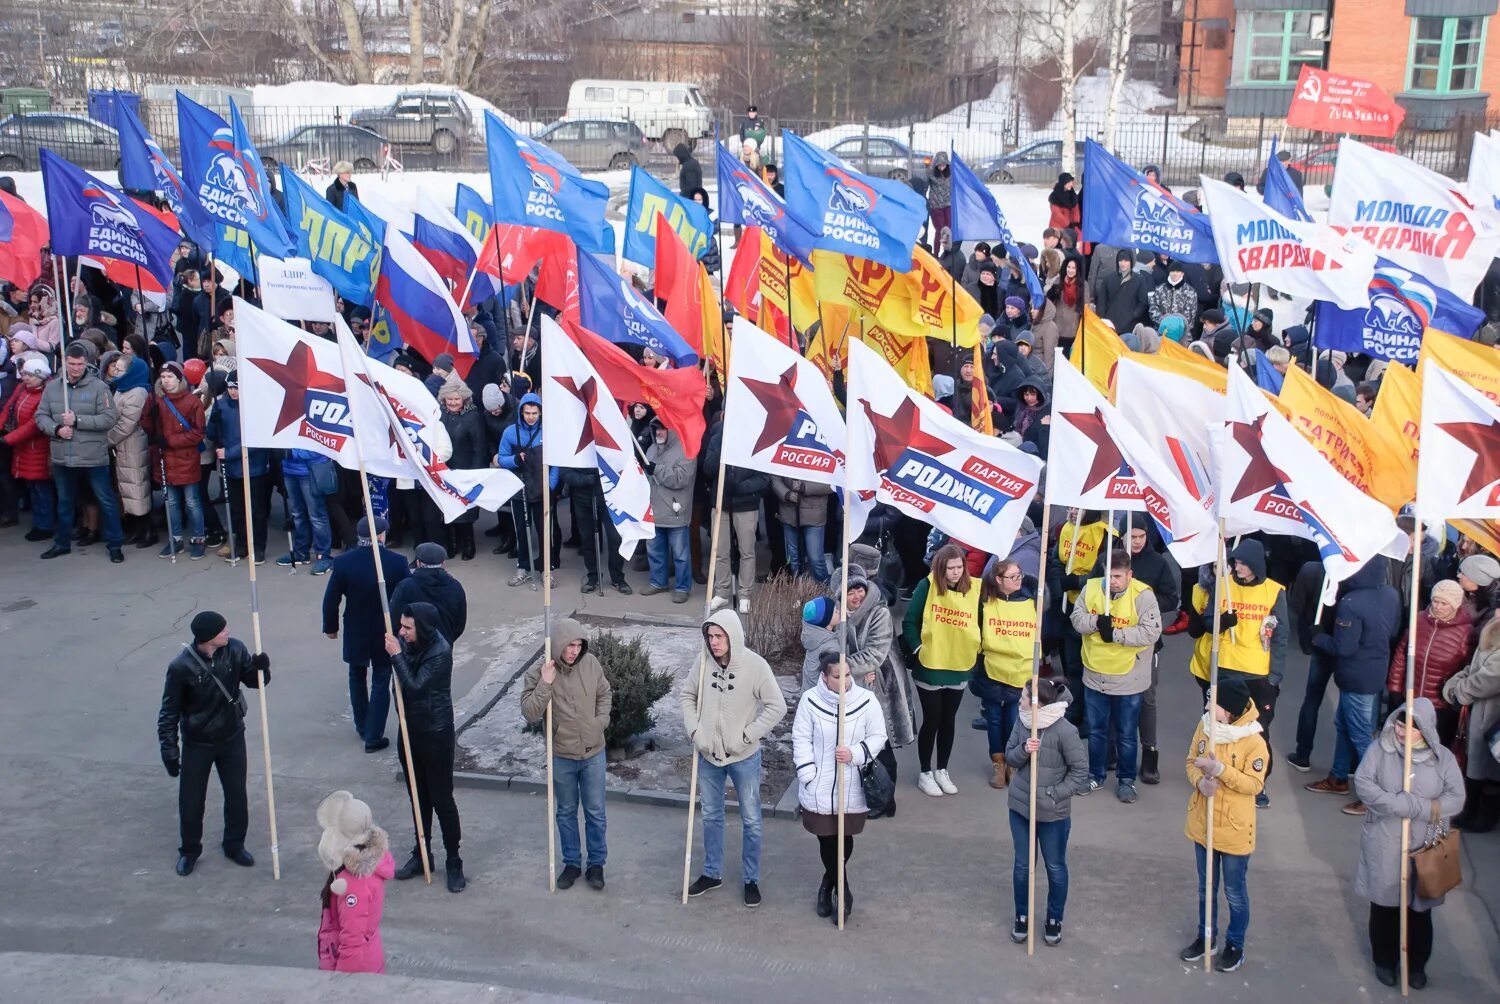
1210,766
1208,787
173,765
1228,619
260,662
1195,626
794,496
1072,582
1106,625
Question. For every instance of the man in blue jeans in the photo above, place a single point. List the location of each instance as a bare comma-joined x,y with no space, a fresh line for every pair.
803,510
1367,621
672,475
573,683
1119,628
729,703
301,470
78,425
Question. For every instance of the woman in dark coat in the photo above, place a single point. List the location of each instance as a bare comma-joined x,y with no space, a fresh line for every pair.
466,430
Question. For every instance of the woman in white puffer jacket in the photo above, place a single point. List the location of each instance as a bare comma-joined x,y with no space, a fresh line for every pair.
817,752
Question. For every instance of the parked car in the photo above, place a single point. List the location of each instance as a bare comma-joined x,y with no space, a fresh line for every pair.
437,120
670,112
79,138
1317,167
1035,163
332,143
596,144
883,156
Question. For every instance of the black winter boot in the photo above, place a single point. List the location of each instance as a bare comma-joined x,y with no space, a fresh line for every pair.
825,898
456,880
1150,765
413,866
465,534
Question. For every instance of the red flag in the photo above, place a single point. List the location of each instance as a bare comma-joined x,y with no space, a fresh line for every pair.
21,256
742,284
675,395
677,283
511,252
557,283
1332,102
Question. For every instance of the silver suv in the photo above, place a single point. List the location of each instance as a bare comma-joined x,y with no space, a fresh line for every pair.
435,120
597,144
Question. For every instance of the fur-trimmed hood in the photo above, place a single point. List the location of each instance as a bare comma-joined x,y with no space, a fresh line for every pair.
363,860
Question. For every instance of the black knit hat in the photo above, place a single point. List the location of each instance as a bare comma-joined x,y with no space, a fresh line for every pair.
1233,696
206,626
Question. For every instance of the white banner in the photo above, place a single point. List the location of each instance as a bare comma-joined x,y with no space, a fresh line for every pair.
1460,462
291,290
1484,170
1413,216
1258,244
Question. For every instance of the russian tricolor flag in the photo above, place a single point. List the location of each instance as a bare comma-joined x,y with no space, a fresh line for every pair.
418,303
451,250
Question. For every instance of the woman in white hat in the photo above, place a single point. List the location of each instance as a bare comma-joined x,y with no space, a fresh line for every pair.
357,854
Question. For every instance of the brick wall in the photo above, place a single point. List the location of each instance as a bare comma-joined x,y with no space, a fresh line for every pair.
1205,82
1370,40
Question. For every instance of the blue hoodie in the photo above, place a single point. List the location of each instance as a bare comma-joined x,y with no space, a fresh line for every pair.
1367,622
520,437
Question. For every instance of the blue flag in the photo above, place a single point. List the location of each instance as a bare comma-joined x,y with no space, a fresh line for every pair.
1267,377
263,219
610,307
977,217
851,213
648,197
1281,195
340,248
472,211
216,179
7,224
746,200
533,186
146,168
1403,305
1121,208
88,218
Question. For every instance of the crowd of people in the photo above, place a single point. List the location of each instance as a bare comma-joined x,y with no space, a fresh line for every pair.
108,407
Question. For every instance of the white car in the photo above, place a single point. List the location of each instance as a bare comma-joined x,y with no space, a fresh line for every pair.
670,112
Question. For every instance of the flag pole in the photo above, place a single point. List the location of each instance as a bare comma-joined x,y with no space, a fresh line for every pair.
841,771
265,718
713,557
1411,661
473,272
1036,675
1208,803
65,318
546,573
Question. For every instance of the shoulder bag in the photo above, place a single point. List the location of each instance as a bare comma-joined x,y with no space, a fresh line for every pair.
237,702
1436,862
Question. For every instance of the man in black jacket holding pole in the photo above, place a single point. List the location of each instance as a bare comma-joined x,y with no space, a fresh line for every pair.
202,700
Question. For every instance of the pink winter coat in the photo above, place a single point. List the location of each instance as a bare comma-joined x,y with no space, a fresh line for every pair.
349,934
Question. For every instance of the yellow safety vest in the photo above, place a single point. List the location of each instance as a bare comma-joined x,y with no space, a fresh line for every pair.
1009,640
1079,560
1240,650
950,628
1107,657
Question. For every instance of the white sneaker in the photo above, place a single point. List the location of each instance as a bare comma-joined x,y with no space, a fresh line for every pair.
927,785
520,577
745,607
945,782
719,603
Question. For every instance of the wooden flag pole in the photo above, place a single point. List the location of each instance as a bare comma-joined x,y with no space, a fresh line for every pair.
1036,675
713,557
265,720
546,573
841,771
1208,833
1411,663
64,303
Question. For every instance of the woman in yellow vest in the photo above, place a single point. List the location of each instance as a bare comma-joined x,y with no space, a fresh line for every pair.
1253,633
1227,781
1007,639
942,630
1079,546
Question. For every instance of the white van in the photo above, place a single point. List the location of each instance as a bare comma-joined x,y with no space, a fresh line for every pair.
671,112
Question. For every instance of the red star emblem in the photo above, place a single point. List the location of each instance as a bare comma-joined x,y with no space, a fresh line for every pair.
780,401
594,433
1261,474
1107,455
1484,439
298,375
895,433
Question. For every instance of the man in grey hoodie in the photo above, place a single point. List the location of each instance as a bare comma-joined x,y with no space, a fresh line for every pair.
672,475
738,704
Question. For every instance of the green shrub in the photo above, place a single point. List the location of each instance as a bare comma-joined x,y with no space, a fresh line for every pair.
627,665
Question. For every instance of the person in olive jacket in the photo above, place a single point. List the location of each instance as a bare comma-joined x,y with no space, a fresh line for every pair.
202,702
424,667
574,683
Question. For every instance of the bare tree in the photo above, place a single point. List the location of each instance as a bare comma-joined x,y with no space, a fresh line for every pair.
1121,28
1053,26
477,42
415,69
359,59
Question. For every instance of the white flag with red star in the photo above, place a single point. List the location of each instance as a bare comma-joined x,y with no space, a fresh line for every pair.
1101,462
1273,479
1458,474
916,457
585,428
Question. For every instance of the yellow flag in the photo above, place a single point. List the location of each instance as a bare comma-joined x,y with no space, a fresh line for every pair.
1398,410
915,304
715,339
1478,364
1484,532
983,419
1356,447
907,356
1095,352
1212,375
830,346
1186,357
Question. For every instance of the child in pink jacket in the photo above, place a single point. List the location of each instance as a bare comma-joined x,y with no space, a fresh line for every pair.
357,854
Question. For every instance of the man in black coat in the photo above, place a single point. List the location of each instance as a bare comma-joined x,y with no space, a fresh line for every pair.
689,171
743,490
432,583
424,669
1122,294
202,701
595,529
1156,569
353,582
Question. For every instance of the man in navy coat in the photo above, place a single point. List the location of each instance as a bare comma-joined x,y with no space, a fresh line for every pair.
353,583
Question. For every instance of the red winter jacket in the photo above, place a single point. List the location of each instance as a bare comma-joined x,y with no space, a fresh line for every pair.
29,448
1443,648
181,444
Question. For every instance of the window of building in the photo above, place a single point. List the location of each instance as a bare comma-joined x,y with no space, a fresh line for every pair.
1446,54
1272,46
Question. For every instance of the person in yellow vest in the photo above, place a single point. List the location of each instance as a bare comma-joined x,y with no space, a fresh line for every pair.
1119,627
1080,545
1007,640
1253,634
941,628
1231,775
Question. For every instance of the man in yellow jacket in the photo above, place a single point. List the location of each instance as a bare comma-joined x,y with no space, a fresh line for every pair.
1225,779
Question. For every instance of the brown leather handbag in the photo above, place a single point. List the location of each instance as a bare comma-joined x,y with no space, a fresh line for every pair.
1436,862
